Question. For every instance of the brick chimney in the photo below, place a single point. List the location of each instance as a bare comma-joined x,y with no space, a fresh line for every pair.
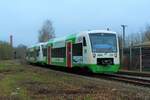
11,40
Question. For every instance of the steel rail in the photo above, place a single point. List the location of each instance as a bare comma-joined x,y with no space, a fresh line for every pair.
144,74
143,81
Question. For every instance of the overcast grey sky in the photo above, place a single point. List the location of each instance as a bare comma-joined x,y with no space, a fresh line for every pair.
23,18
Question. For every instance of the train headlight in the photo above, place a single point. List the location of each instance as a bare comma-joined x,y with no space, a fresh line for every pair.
94,55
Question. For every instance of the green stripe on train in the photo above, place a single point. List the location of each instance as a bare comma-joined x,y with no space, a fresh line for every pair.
99,68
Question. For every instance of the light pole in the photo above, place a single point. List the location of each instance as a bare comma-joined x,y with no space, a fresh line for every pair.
123,42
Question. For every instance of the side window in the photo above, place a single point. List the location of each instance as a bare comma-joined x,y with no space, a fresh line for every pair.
37,52
30,54
58,52
84,42
77,49
44,51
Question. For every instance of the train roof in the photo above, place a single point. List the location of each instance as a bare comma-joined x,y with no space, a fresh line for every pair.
38,44
99,31
63,39
71,36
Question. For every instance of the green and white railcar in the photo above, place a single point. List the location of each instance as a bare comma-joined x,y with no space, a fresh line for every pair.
97,50
37,54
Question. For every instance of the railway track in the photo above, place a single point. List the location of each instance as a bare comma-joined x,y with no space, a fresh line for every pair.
134,73
142,80
136,80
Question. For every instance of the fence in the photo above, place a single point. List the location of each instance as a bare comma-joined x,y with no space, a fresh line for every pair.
136,59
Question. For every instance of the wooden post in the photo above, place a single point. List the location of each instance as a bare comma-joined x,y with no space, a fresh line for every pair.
140,59
130,55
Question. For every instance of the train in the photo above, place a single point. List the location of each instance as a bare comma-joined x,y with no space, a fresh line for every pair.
94,50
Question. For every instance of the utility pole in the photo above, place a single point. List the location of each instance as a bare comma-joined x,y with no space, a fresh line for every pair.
123,42
131,43
141,58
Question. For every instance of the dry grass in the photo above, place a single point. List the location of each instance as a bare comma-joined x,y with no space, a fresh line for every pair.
26,82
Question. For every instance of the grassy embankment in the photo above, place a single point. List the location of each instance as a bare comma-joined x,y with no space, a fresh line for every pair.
25,82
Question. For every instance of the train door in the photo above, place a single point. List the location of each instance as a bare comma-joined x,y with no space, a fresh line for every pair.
69,54
85,51
49,55
40,56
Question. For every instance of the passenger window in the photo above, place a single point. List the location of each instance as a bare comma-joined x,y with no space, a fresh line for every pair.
37,52
77,49
44,51
58,52
84,41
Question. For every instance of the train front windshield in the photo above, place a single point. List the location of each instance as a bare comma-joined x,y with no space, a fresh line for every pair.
103,43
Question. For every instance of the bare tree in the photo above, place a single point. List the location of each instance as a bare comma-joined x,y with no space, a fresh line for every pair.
47,32
6,51
146,33
134,38
137,38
